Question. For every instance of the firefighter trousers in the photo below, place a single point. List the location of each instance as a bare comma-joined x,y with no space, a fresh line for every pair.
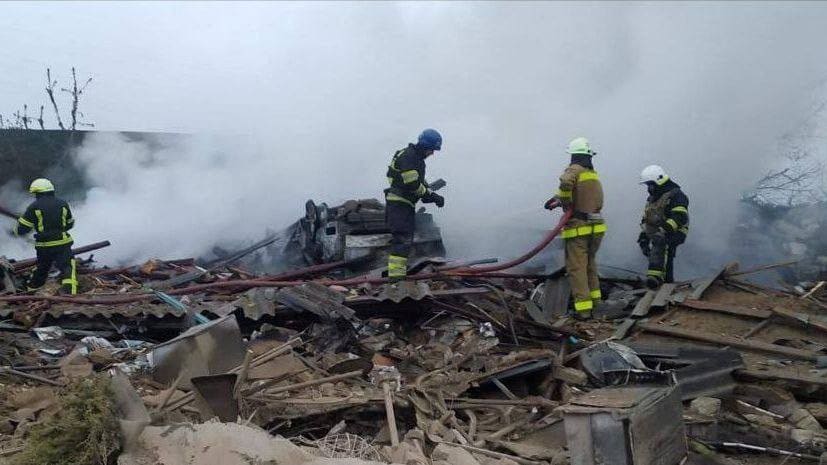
662,258
581,267
61,257
401,219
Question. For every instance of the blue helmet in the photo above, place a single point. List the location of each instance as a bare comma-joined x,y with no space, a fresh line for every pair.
430,139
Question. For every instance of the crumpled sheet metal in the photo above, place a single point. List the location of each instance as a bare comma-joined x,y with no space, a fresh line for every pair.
208,349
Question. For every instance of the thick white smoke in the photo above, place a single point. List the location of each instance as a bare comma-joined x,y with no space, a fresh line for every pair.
325,92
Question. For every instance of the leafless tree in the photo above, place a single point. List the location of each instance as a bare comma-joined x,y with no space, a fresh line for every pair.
800,182
22,120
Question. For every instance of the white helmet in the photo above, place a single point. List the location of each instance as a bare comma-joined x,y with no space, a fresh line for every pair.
655,174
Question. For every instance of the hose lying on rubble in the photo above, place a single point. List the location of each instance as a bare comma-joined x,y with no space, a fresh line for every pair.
482,271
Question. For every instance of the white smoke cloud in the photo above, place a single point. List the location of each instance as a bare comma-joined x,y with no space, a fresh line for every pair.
324,93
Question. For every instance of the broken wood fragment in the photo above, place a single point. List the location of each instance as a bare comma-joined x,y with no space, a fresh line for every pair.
21,374
386,389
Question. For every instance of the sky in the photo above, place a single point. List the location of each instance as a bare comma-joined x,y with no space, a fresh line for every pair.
290,100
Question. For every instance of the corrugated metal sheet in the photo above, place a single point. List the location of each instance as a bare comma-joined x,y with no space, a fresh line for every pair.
415,290
102,311
316,299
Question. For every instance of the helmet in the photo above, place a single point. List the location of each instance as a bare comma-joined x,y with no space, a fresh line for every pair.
41,185
580,146
430,139
655,174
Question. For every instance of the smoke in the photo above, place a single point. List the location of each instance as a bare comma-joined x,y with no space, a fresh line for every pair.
319,95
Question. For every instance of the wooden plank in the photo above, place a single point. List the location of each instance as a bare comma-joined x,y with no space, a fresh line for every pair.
663,294
643,305
728,309
700,286
776,375
730,341
624,328
807,320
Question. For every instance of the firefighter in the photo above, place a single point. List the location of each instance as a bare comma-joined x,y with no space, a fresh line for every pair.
406,176
581,192
50,218
664,225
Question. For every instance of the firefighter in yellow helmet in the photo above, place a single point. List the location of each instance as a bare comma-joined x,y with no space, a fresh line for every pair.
581,192
50,218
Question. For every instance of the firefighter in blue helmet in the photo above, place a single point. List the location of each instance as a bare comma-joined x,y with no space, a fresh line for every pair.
50,218
406,176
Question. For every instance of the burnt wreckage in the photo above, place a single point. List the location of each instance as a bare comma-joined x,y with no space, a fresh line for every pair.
356,231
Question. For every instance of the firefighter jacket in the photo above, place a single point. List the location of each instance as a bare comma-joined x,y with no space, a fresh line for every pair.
406,176
667,212
50,218
580,186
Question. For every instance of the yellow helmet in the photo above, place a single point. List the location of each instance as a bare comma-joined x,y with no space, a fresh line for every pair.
41,185
580,146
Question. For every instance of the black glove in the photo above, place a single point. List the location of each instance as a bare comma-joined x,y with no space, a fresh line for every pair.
675,239
551,203
433,197
439,200
643,242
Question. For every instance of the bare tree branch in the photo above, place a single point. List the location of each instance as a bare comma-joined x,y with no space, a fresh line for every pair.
76,93
50,86
40,119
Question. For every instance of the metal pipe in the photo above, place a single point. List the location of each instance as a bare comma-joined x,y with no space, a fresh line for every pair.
30,262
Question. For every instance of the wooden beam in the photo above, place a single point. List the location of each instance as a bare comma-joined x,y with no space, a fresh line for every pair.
728,309
801,318
730,341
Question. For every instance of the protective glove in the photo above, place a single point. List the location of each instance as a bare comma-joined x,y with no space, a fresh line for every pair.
643,242
675,239
433,197
439,200
551,203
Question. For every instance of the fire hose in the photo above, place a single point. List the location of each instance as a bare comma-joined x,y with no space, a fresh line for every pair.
482,271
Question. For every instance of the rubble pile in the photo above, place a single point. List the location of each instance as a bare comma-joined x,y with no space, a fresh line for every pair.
456,365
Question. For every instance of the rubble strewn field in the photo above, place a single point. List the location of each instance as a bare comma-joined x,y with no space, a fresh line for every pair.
225,366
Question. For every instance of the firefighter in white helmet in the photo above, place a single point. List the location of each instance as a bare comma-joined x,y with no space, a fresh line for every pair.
664,225
581,192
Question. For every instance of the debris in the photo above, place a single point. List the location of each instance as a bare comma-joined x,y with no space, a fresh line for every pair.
640,425
732,342
707,406
457,363
212,348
